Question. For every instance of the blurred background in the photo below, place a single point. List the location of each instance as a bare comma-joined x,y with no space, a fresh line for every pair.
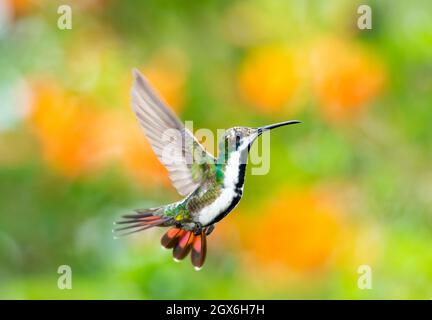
351,186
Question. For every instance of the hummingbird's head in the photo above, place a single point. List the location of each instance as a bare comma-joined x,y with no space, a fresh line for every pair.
241,138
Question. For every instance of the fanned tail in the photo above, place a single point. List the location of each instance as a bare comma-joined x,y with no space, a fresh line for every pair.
142,220
182,242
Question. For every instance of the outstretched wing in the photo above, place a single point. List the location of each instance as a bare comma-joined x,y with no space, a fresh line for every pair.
187,161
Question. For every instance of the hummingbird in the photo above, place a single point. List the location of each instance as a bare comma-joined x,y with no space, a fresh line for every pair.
211,186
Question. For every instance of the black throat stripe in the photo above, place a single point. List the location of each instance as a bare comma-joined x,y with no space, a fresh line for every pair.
238,194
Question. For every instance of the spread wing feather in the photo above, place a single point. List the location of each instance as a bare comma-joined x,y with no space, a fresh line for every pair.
187,161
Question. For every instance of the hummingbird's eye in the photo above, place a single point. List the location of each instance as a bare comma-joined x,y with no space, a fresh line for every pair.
238,139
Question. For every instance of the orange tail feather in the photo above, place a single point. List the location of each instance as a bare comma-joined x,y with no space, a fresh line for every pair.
182,242
199,250
182,249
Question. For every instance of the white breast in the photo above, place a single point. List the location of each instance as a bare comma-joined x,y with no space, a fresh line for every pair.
231,175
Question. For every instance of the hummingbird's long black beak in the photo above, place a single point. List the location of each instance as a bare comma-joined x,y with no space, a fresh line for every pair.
276,125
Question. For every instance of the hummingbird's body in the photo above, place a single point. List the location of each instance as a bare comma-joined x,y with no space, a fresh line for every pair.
215,197
212,186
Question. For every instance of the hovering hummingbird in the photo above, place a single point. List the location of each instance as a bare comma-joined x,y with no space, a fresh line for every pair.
212,187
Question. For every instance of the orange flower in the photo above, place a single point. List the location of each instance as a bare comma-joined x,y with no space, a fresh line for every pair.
269,78
63,124
21,7
345,78
120,136
77,138
166,71
298,231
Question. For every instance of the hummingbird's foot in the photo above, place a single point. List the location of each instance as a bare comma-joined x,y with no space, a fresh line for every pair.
209,229
198,228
